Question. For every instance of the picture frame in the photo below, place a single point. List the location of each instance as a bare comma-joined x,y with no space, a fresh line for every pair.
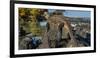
14,31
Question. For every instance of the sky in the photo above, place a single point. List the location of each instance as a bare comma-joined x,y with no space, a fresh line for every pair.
75,13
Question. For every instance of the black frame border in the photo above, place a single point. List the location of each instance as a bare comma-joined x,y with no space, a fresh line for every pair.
12,55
